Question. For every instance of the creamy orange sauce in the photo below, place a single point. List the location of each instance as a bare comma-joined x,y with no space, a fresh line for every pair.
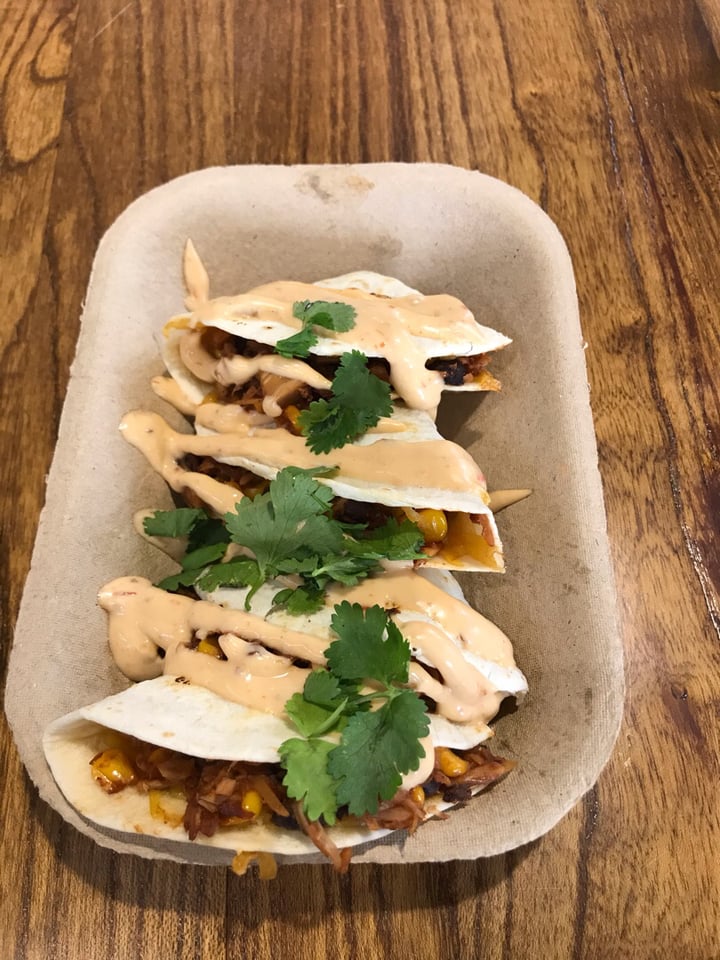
157,441
433,464
384,326
409,592
424,771
171,392
259,670
229,418
234,371
144,620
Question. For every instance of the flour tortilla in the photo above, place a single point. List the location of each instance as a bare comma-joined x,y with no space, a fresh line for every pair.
508,680
356,488
169,712
195,721
71,742
486,340
472,543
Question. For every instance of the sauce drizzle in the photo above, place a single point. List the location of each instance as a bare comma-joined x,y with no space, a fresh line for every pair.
260,672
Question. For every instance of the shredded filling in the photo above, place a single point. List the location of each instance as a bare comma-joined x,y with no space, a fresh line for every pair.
293,396
433,524
207,796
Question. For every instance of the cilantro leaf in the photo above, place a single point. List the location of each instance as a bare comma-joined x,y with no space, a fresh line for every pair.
298,565
207,532
346,570
391,541
200,529
310,719
328,425
377,748
194,564
323,313
239,572
298,345
172,523
300,600
307,777
186,578
315,313
202,556
322,688
289,530
325,690
369,645
287,521
359,399
196,525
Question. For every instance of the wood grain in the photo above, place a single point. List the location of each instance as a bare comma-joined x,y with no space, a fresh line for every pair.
608,114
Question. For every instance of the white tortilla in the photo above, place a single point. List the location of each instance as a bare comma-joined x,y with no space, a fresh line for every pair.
356,488
486,339
196,722
457,344
508,680
370,282
71,742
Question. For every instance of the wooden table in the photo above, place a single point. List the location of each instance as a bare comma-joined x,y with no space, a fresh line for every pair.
608,114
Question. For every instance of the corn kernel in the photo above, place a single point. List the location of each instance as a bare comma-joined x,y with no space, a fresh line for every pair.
433,525
112,770
252,802
167,806
255,489
209,648
292,413
451,764
267,865
417,795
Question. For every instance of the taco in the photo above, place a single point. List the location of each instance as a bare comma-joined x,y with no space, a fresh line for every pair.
433,482
245,349
194,750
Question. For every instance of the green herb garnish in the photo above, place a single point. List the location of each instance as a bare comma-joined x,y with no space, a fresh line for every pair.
377,746
289,530
315,313
359,399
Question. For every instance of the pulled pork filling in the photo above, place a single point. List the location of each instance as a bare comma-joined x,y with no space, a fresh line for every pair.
433,524
456,372
205,796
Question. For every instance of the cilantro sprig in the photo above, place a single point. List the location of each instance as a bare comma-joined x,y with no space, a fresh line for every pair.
315,313
358,400
377,746
288,530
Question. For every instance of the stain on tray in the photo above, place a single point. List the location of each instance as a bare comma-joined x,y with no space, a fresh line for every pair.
386,246
334,185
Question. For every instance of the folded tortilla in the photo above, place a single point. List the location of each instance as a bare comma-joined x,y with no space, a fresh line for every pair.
189,720
174,707
417,473
394,324
172,715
